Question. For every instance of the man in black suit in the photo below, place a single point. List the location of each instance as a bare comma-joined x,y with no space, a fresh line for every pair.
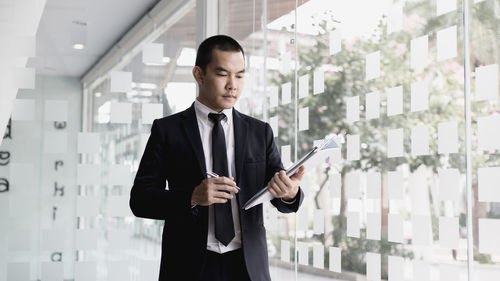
206,230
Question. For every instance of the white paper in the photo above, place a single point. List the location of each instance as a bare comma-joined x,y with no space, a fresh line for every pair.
419,96
56,110
86,239
449,272
55,142
18,271
117,270
335,185
394,100
85,271
319,222
319,82
419,52
448,232
421,271
118,206
120,175
395,228
319,256
448,137
52,271
395,268
286,93
149,270
335,41
372,105
373,185
373,265
24,78
303,86
121,81
303,249
273,122
22,177
19,240
395,18
395,185
353,185
21,207
353,224
449,184
152,54
121,113
118,239
352,108
285,250
420,140
488,134
373,226
372,67
445,6
273,97
302,220
53,239
285,62
447,43
286,155
488,236
335,259
87,206
353,147
23,110
151,111
488,179
88,143
486,82
304,119
88,174
422,230
395,145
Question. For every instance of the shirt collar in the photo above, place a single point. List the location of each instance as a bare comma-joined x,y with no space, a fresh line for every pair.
202,112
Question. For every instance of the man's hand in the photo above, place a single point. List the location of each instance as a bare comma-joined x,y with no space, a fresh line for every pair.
213,190
284,187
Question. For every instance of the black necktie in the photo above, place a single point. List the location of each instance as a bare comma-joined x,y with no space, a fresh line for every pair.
223,217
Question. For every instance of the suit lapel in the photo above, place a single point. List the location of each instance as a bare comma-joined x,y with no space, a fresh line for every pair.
240,142
190,126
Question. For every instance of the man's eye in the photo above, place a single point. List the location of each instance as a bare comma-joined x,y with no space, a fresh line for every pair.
239,76
220,74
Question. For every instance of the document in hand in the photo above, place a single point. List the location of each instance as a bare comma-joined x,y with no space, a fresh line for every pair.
264,195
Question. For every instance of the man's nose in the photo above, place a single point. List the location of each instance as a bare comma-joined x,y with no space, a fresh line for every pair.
231,85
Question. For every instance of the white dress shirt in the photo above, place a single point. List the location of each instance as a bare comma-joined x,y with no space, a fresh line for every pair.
205,125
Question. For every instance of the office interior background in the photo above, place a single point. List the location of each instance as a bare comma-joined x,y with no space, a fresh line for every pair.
409,89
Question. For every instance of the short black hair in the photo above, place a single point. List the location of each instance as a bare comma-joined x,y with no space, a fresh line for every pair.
219,42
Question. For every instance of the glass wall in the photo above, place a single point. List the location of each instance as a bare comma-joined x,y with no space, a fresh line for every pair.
410,97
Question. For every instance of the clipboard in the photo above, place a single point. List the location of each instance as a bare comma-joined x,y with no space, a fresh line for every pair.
264,195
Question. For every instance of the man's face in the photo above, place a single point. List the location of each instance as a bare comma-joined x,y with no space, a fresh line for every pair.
221,83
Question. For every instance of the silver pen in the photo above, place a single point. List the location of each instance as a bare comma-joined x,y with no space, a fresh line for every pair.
214,175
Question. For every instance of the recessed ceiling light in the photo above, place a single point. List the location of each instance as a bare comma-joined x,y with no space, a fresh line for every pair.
98,94
78,46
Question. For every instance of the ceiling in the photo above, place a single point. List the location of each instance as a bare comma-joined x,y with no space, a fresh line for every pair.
96,22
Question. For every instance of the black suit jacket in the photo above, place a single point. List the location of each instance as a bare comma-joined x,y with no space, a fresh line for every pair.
174,153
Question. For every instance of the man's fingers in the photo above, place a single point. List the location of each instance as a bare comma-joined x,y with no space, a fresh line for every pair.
278,191
224,180
223,195
225,187
218,201
287,182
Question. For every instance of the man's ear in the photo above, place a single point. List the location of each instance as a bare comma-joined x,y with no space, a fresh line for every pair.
198,74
